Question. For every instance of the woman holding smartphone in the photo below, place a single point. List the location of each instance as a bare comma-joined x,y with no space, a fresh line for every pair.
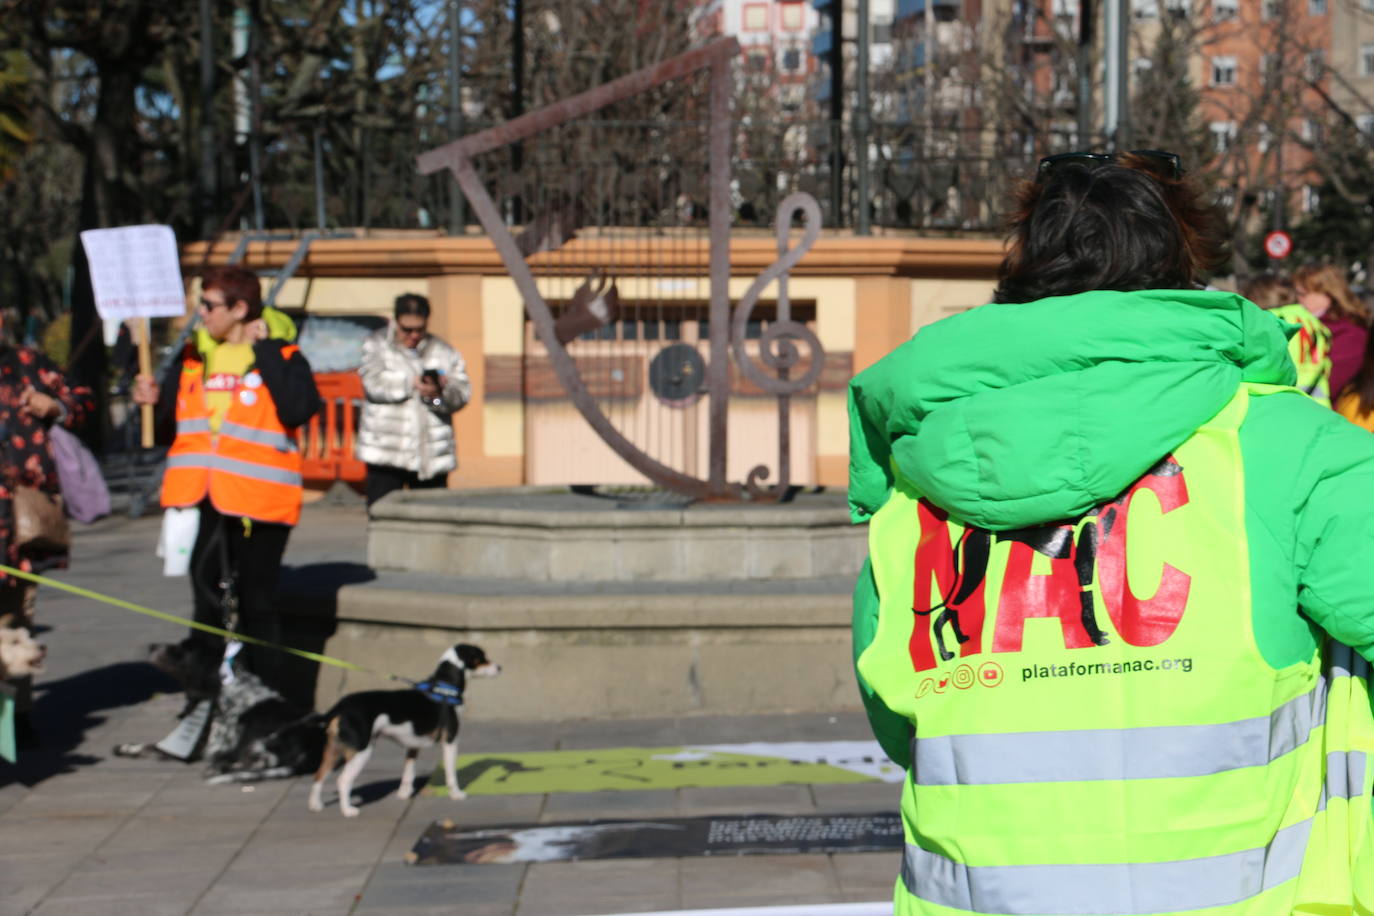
414,383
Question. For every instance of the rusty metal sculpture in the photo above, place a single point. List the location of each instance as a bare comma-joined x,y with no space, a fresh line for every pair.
779,346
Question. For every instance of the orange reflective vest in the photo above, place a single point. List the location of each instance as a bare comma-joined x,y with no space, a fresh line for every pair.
250,468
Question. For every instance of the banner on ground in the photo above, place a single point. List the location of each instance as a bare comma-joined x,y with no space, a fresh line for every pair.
443,843
752,764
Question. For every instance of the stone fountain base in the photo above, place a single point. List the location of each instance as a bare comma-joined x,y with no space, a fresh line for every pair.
598,608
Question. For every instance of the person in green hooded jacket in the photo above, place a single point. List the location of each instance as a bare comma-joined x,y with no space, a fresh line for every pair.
1310,347
1118,605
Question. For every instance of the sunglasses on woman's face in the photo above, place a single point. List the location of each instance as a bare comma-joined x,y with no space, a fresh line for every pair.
1167,164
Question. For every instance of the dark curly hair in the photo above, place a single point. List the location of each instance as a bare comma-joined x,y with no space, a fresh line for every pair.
1118,225
238,284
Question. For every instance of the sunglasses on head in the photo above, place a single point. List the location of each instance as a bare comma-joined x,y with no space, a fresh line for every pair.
1168,164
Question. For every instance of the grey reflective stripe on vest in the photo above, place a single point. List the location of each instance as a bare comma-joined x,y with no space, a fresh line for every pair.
1344,774
279,441
191,460
1099,890
193,426
1148,752
256,471
1343,661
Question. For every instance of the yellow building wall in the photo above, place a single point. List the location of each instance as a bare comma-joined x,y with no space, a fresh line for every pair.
871,294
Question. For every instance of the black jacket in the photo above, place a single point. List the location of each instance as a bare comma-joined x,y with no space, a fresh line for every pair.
289,380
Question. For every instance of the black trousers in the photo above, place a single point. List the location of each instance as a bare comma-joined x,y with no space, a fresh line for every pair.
254,554
382,479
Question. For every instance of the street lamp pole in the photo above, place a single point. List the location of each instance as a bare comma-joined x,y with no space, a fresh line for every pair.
209,176
457,220
862,221
836,112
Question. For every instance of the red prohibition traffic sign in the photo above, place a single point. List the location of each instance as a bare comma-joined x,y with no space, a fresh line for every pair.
1278,244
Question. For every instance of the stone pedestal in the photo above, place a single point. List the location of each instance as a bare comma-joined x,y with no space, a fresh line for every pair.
599,608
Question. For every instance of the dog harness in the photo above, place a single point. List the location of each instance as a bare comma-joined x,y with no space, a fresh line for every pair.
440,692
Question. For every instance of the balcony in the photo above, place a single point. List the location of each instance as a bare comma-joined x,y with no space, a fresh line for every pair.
913,57
822,5
909,8
822,43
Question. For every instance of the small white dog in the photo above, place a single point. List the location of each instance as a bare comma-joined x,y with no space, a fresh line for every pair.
20,654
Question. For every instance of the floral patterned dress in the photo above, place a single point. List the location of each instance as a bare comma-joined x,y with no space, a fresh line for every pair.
25,455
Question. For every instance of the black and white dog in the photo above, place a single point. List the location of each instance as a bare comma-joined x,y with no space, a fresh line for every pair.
414,718
255,733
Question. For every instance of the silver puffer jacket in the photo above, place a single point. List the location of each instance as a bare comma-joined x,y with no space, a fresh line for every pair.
398,428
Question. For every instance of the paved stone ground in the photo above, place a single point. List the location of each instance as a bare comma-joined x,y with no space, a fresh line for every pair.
84,832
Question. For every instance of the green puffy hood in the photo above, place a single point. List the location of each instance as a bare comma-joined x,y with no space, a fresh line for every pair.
1016,415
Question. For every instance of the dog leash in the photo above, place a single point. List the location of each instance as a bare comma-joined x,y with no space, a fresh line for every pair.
445,694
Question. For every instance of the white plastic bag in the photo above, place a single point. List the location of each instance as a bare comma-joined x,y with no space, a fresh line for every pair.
179,527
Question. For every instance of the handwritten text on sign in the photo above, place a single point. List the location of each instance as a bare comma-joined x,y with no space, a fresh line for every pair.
135,272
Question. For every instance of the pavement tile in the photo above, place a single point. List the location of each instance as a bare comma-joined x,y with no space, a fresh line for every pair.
857,797
51,799
597,906
464,908
722,881
458,886
12,794
795,727
474,811
152,904
867,875
703,800
186,881
154,832
480,737
477,809
65,835
612,885
322,888
20,900
336,846
326,832
28,878
196,793
586,734
113,858
578,806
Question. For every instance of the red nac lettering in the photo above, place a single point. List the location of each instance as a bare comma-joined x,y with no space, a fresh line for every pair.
1138,621
1147,621
1025,595
935,566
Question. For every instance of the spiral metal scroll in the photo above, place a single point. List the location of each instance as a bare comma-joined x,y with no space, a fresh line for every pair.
776,349
778,346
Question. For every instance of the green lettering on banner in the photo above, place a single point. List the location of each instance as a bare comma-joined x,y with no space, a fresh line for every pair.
629,768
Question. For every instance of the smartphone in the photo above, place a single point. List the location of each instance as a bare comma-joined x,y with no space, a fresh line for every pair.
431,376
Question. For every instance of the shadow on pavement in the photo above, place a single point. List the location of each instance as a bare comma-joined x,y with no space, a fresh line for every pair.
64,710
308,597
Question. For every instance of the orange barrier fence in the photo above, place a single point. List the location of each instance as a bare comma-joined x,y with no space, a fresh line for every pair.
327,441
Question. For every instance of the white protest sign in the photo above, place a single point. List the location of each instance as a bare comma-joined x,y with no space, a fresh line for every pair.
135,272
